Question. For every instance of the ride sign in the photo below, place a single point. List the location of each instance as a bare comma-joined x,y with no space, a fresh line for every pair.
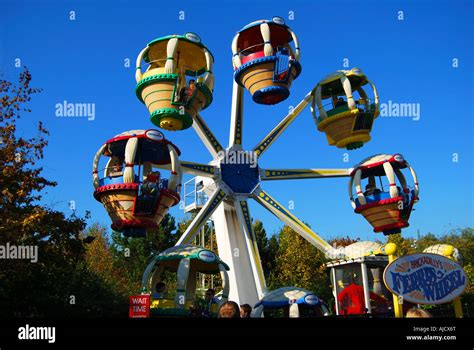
425,278
139,306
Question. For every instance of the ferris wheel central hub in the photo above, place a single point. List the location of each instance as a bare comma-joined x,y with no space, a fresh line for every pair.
240,171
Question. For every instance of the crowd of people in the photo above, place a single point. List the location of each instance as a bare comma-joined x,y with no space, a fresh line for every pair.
351,301
230,309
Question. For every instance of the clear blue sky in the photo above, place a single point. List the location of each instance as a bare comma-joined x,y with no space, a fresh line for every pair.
410,61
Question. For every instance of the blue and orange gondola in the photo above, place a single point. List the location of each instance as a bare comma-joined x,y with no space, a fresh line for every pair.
264,61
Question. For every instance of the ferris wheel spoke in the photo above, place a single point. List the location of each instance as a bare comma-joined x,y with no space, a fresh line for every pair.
198,169
236,120
201,218
206,136
292,221
292,174
245,218
263,145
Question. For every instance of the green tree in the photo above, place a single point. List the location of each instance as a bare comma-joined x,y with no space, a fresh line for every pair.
463,239
132,255
404,245
300,264
425,241
99,260
267,248
57,285
343,241
31,289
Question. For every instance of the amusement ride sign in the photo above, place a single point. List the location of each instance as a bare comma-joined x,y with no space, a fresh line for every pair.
425,278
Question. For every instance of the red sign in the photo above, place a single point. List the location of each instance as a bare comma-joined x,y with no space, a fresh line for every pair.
139,306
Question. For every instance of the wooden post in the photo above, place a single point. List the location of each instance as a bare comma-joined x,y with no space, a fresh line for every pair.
458,307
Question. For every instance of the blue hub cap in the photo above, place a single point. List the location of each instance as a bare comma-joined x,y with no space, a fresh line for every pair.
240,173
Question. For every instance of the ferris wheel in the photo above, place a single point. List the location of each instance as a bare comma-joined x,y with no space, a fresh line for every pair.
176,83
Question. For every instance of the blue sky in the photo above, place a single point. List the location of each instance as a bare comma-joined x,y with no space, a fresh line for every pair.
409,60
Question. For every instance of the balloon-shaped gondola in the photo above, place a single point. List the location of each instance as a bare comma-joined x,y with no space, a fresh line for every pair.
178,82
446,250
346,120
295,302
386,209
264,62
185,260
133,193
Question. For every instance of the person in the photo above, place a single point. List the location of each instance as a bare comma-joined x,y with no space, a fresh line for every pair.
229,309
150,185
186,92
190,91
352,299
416,312
245,311
181,89
340,102
370,189
160,289
209,300
117,170
210,294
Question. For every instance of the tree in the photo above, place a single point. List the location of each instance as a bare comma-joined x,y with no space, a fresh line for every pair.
133,254
404,245
343,241
273,246
58,284
267,248
43,286
99,260
425,241
463,239
300,264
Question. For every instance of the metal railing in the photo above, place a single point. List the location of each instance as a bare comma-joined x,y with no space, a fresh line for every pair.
194,195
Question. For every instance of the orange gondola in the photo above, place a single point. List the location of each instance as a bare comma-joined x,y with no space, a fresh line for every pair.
133,193
387,210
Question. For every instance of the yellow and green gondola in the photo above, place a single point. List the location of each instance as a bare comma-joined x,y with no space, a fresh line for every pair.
178,82
346,120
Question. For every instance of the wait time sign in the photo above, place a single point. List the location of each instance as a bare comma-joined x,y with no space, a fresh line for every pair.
139,306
